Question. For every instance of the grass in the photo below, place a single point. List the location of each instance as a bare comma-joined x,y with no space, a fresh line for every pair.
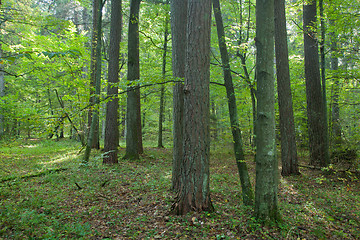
46,193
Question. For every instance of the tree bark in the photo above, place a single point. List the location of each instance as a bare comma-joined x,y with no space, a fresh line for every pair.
194,194
319,153
287,127
95,44
266,189
178,10
247,193
93,137
111,141
133,114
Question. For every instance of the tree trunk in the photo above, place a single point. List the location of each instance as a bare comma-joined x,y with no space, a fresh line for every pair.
93,137
111,141
266,207
95,43
178,10
248,196
287,127
335,109
2,94
323,73
194,194
162,87
319,154
133,115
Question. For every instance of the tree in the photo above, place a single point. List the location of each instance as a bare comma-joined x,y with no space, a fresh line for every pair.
2,92
94,68
94,127
248,196
111,141
133,115
163,71
178,10
317,128
266,208
194,194
287,127
335,109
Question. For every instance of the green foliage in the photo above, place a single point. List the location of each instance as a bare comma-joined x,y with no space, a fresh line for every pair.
131,200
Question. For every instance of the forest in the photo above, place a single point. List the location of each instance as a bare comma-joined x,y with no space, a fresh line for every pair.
179,119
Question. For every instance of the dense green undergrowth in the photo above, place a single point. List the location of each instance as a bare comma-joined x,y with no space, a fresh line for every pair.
46,193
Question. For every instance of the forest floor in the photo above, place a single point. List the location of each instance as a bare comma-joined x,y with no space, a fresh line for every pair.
46,193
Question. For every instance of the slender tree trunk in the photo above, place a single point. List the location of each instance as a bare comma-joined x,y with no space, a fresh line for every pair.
335,109
93,136
266,189
287,127
323,74
2,94
248,196
162,88
133,115
111,141
194,194
178,9
95,55
319,152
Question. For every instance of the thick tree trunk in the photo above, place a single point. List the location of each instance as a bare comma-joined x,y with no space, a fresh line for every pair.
287,127
319,152
178,9
162,87
248,196
111,141
133,115
194,194
266,206
93,137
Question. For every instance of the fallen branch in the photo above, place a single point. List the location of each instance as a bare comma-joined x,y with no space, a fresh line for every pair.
32,175
330,169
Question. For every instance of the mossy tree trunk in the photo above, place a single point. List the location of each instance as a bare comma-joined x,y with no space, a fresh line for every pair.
266,188
93,136
247,193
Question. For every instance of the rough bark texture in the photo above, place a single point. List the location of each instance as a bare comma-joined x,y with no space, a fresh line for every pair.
178,30
289,157
248,196
266,206
194,194
133,115
111,140
317,128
